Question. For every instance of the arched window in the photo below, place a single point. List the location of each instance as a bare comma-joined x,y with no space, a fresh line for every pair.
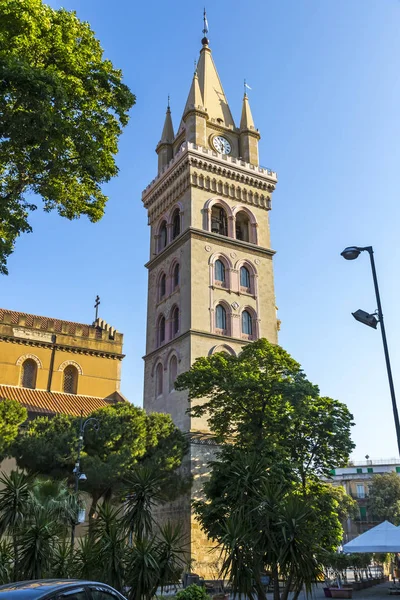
173,371
247,325
219,271
70,384
163,286
176,223
244,277
176,275
161,330
162,242
159,380
29,373
242,226
219,222
175,321
220,317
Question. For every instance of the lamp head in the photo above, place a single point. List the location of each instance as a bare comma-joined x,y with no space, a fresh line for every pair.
351,253
365,318
82,477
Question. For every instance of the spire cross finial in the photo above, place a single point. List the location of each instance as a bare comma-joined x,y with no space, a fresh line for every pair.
168,106
96,306
205,23
195,66
246,87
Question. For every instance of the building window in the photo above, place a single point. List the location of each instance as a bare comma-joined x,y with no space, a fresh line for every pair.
219,222
360,491
175,321
219,271
159,380
363,513
163,286
173,371
244,278
176,276
163,236
359,470
70,385
176,224
220,318
161,330
29,373
242,226
247,325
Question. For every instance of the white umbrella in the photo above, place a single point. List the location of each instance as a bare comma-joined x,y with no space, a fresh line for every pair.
385,537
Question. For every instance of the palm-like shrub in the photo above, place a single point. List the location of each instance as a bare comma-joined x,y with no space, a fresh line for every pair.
6,562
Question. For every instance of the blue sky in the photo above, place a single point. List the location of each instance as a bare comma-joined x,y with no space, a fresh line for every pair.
325,97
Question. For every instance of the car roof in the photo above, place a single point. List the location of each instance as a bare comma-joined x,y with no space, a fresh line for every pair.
29,590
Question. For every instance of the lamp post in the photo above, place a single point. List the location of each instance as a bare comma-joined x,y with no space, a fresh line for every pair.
79,476
351,253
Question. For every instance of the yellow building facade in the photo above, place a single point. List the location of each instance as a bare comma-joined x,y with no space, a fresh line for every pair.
210,282
51,365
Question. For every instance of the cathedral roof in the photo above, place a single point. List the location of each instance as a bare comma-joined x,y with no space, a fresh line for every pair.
41,402
210,89
246,121
167,136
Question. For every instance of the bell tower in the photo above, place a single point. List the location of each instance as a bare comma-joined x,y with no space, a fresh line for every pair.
210,281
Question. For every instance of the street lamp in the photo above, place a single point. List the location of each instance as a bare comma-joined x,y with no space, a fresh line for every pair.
351,253
79,476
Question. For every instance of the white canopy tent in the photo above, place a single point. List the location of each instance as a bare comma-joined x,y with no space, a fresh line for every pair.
385,537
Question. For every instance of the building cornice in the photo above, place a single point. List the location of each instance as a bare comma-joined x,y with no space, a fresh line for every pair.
207,236
61,347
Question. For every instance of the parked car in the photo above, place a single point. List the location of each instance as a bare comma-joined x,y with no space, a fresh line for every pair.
58,589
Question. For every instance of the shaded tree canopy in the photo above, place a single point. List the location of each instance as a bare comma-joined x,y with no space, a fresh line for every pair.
384,497
262,400
62,110
12,415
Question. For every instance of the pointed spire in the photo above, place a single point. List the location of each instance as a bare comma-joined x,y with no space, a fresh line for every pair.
204,41
167,136
246,121
195,98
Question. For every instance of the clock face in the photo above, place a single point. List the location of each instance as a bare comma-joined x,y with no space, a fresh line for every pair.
221,144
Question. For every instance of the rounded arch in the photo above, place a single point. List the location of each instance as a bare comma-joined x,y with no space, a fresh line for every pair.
220,256
33,357
220,277
71,363
161,285
223,225
221,318
248,323
222,348
175,321
174,220
175,274
169,354
245,225
70,380
172,372
161,234
249,286
161,329
159,380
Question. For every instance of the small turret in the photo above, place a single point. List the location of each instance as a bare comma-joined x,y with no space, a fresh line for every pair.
249,135
195,115
164,146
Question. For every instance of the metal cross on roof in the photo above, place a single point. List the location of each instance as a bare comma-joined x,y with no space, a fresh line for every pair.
96,305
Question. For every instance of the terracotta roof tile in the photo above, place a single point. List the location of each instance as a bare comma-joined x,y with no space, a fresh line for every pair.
42,402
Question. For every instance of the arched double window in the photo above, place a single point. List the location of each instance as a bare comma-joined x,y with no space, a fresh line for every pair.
70,380
162,287
176,223
220,318
245,281
219,221
175,321
162,241
247,323
159,380
173,371
219,273
29,374
176,276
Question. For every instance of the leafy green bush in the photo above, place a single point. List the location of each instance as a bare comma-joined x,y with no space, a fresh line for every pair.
193,592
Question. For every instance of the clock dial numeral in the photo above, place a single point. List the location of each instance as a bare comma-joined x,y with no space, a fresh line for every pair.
221,144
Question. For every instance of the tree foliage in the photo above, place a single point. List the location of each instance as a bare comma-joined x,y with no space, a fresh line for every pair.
12,415
263,400
62,110
384,497
126,436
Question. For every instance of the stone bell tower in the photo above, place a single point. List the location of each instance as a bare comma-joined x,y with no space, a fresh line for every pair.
210,285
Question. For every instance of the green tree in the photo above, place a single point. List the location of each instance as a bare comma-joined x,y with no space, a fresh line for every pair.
12,415
263,400
125,436
384,497
62,110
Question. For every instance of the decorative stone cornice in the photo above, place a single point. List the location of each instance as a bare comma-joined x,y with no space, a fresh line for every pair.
203,167
62,347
